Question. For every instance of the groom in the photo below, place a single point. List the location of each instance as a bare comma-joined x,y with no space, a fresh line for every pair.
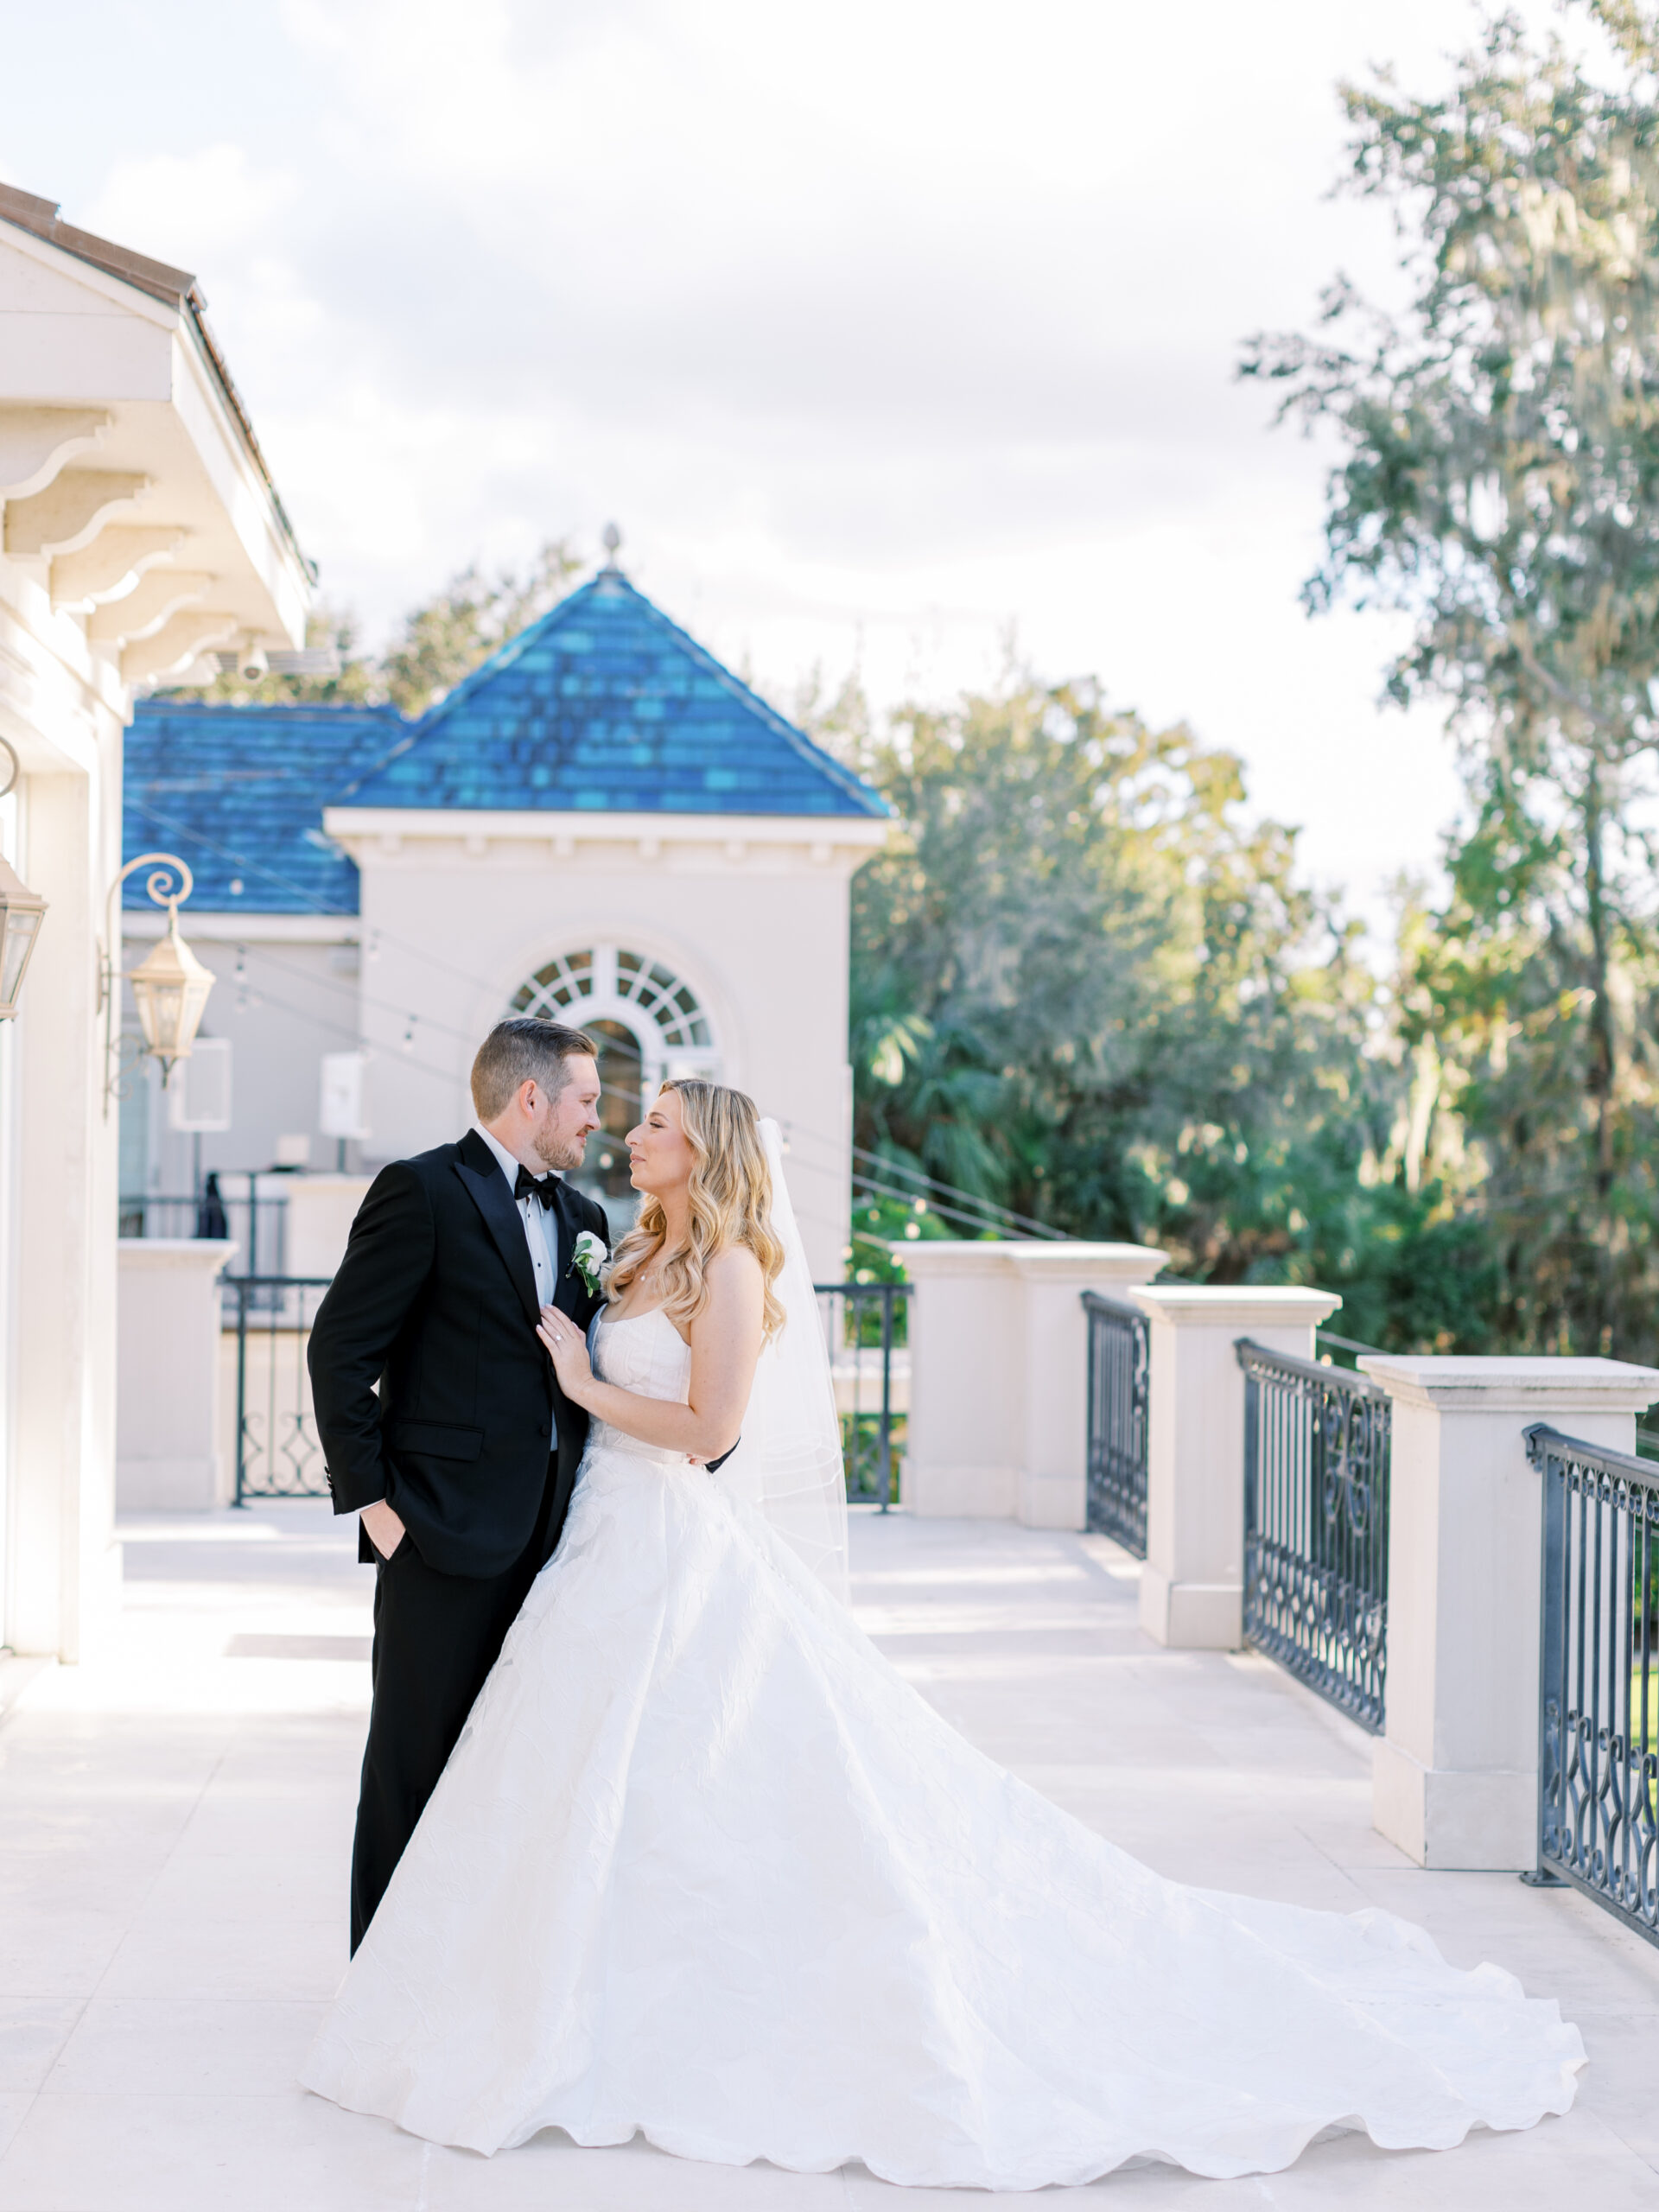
441,1420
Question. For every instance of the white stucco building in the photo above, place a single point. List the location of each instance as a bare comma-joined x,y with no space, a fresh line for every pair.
601,825
140,529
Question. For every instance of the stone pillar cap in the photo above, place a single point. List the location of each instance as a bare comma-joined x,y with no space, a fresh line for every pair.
1241,1306
1536,1384
1043,1256
179,1251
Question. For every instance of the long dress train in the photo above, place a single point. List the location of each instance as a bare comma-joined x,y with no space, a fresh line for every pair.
703,1867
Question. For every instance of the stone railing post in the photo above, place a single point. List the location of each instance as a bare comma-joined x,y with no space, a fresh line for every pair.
965,1384
1051,1477
1454,1777
167,1429
1192,1584
999,1351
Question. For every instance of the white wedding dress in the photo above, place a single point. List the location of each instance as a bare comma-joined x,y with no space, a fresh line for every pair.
702,1867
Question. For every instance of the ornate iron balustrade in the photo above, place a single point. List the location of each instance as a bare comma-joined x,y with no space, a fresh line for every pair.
1598,1676
1118,1397
1316,1526
864,1328
278,1452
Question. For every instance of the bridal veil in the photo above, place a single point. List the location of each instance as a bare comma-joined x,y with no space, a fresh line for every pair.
788,1465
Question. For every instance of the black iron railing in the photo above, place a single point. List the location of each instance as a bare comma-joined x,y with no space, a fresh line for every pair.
278,1452
1316,1526
1118,1400
864,1328
256,1224
1598,1675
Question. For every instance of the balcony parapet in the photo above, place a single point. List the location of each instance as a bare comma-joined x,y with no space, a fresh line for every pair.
1454,1777
999,1360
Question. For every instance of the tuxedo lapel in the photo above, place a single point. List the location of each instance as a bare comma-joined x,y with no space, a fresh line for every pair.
567,1288
488,1188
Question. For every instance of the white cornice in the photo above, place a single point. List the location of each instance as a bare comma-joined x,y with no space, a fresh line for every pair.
418,836
248,500
148,365
211,928
598,827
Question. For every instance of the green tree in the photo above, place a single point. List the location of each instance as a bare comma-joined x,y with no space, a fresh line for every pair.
472,617
1086,986
443,640
1500,463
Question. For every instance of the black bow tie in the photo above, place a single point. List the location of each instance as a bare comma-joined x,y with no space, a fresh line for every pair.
535,1186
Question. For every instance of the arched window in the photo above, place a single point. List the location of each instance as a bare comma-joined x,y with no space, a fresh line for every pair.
647,1022
576,986
552,991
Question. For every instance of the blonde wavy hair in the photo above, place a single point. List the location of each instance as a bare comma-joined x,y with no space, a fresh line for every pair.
730,1202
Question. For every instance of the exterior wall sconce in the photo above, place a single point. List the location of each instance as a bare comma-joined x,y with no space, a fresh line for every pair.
20,910
169,986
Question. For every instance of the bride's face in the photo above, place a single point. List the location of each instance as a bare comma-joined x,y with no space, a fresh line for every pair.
660,1154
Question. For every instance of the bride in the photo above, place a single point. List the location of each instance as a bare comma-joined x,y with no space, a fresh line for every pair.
702,1866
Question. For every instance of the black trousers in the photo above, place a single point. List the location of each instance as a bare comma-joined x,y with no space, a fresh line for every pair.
436,1637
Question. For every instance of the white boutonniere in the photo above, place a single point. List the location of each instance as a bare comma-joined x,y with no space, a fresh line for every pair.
590,1256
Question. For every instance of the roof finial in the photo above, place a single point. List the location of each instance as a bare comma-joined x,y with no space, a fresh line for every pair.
610,538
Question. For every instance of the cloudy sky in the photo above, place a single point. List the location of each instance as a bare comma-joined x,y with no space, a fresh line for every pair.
885,330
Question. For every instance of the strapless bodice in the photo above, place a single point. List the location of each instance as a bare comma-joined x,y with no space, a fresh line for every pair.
647,1354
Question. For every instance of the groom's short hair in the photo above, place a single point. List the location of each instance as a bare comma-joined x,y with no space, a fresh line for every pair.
517,1051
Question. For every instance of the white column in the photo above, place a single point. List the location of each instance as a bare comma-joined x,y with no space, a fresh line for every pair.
999,1373
1454,1779
1192,1586
167,1411
65,1566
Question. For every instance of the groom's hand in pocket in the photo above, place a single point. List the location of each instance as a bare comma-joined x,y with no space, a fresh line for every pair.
383,1527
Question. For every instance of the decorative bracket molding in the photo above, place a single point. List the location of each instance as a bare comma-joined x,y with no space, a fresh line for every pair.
175,646
71,511
143,610
104,568
37,442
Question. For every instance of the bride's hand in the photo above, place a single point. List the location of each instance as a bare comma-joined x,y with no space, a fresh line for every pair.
568,1349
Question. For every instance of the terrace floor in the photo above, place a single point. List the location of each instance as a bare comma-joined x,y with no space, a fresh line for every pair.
175,1820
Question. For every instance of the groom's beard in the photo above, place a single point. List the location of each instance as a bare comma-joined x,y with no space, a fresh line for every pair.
559,1153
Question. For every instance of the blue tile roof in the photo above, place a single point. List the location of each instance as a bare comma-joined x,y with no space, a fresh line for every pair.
606,705
238,792
603,705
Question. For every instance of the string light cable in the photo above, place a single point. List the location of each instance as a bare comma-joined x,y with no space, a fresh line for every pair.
873,1172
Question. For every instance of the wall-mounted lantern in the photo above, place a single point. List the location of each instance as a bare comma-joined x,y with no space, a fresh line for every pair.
20,910
169,985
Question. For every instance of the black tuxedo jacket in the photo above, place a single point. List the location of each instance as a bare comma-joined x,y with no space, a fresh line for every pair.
435,1303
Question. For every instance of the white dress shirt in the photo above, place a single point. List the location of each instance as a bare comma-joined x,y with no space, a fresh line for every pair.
541,1231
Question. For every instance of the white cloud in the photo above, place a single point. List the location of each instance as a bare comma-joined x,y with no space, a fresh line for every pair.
195,210
876,326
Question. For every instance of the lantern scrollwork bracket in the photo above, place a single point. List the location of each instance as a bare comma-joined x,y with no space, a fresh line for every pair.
169,985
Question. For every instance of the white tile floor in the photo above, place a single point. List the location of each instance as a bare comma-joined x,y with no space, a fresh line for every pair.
175,1822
